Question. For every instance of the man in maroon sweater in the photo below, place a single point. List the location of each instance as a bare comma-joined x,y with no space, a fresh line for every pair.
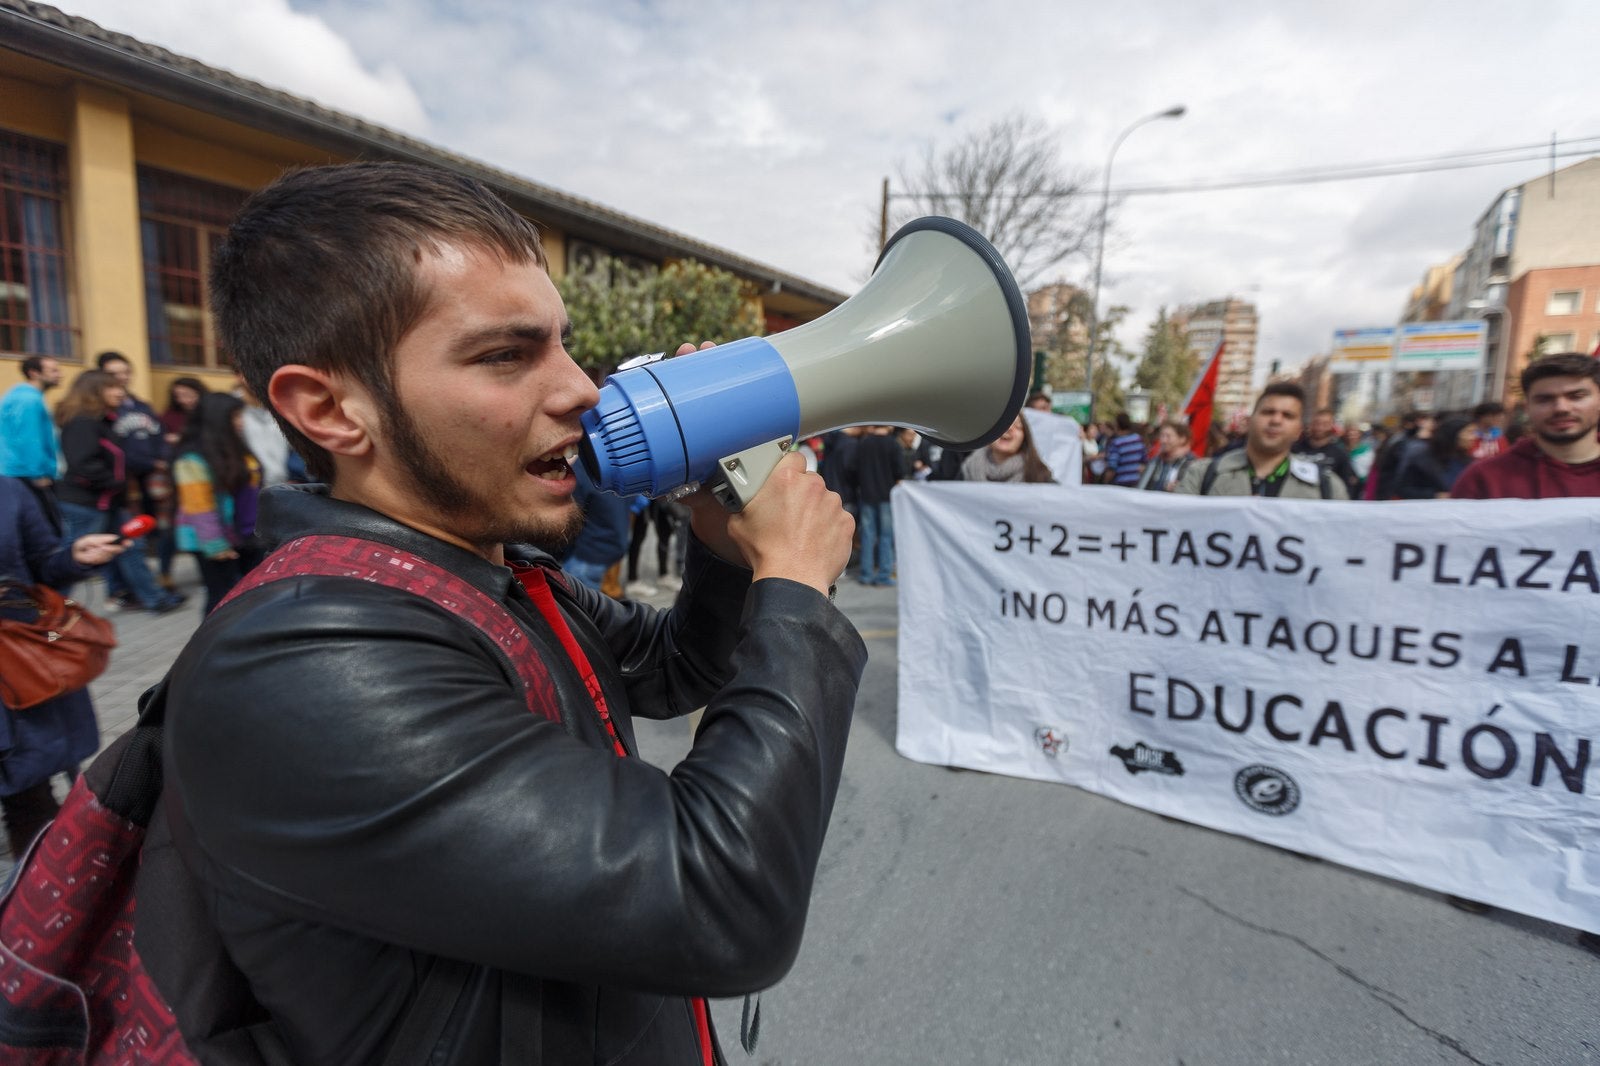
1562,456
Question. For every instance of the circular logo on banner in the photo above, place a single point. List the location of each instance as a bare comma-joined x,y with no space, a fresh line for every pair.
1267,790
1051,740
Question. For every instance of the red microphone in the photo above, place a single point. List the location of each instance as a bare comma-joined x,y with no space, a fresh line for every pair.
137,526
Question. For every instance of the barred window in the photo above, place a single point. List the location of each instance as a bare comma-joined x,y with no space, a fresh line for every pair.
182,221
35,286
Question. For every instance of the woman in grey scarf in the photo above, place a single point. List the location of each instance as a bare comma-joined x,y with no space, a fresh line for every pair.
1010,458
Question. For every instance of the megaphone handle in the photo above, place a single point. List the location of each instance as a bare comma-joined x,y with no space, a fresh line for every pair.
741,475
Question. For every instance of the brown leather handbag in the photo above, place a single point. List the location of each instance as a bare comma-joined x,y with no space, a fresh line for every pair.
61,650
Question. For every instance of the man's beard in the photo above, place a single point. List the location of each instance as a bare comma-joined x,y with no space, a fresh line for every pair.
471,513
1577,433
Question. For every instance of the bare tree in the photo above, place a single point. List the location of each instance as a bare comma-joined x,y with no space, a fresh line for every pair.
1007,182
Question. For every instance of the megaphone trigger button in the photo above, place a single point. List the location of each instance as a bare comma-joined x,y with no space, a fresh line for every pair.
641,360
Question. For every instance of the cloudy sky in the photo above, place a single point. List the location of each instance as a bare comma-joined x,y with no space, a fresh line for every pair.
768,128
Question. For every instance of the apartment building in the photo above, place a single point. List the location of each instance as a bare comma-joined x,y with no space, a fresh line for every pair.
1533,271
1233,321
1058,320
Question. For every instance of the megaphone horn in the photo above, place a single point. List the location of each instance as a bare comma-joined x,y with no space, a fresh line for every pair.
936,340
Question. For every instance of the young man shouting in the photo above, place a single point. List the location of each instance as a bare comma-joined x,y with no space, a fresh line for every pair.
355,781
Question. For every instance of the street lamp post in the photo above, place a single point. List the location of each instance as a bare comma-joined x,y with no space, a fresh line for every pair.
1100,243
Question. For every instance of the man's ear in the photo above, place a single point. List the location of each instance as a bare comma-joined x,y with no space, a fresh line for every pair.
333,412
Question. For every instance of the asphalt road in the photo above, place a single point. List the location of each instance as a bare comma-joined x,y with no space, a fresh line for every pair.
963,917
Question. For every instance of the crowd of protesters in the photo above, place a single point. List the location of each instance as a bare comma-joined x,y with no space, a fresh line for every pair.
104,454
72,474
100,455
1544,449
1547,449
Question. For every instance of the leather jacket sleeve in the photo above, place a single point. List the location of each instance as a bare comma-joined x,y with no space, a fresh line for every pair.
356,757
671,663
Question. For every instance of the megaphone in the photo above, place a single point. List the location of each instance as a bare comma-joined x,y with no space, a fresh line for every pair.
936,340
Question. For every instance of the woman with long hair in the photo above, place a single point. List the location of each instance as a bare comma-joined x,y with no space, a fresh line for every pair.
1011,457
183,396
1433,469
93,493
219,484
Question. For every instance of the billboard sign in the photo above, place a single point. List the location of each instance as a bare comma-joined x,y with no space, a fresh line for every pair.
1440,345
1073,404
1356,350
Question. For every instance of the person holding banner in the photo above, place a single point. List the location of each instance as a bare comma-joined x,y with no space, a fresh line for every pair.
1173,457
1321,442
1561,456
1265,465
1434,470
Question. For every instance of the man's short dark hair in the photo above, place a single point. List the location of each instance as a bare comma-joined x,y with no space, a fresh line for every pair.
1290,389
1487,408
320,268
1561,365
104,359
1124,423
1178,426
34,365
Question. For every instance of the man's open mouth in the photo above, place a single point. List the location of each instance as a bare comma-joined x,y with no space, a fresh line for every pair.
555,465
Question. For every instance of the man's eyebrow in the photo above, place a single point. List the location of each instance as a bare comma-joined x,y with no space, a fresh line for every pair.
533,332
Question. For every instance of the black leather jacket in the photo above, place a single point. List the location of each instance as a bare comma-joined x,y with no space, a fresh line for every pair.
367,792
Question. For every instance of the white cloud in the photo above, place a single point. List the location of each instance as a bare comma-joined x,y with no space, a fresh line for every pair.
768,128
267,41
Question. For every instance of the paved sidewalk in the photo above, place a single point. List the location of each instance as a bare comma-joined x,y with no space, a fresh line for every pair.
147,644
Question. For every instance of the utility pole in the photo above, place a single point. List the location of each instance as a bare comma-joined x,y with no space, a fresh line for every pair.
883,217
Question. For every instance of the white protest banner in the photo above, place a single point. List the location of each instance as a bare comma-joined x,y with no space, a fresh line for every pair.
1408,688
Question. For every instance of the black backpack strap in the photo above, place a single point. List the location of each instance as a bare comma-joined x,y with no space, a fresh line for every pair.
1209,478
521,1018
425,1020
1325,482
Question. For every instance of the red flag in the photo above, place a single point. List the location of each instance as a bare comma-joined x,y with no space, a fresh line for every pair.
1197,406
1596,353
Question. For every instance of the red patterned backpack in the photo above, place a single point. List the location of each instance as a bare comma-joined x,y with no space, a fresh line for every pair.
73,989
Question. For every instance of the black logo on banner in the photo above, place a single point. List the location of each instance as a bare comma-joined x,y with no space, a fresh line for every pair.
1267,790
1051,740
1141,758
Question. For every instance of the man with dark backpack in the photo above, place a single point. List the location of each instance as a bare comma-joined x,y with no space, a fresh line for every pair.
393,855
1266,466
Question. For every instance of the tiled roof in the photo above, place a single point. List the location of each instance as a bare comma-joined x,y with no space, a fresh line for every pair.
51,34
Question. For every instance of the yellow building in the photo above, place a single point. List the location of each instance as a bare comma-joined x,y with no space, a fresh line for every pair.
121,163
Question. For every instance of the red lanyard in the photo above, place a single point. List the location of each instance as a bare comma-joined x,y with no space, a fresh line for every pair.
538,588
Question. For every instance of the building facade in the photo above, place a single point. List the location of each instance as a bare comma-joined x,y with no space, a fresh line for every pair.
1233,322
1531,272
1552,310
1058,317
121,164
